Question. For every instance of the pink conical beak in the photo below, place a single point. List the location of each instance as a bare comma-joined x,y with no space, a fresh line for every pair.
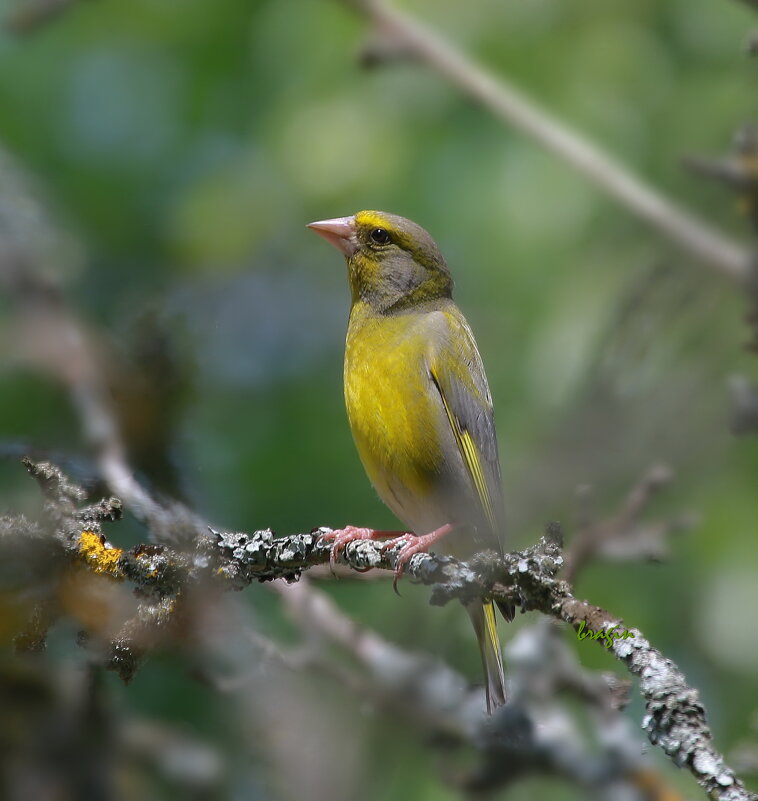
340,232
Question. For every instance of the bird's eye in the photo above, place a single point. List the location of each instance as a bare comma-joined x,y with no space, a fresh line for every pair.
380,236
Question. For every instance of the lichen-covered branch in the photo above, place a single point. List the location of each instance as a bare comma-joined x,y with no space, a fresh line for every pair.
675,718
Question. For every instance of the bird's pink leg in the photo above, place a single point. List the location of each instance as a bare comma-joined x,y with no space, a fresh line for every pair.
342,536
414,544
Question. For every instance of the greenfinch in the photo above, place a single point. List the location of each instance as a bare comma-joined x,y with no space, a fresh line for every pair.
419,405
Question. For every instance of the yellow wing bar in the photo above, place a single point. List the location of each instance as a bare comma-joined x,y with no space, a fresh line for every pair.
470,454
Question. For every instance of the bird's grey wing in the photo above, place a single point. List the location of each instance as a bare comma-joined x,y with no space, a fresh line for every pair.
457,374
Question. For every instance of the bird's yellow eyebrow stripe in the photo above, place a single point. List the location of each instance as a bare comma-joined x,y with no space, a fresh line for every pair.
371,218
470,454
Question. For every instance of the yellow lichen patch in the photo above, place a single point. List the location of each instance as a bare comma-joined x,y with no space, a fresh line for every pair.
102,560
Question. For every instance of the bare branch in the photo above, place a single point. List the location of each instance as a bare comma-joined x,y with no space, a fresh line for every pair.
623,536
691,233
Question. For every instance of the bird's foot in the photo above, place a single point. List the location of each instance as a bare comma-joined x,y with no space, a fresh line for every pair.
342,536
413,544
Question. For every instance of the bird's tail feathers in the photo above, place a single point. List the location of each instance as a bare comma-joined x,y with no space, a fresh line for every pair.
483,618
508,611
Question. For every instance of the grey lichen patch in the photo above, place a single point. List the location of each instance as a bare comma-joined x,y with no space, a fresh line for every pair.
53,482
705,762
363,555
626,647
107,510
711,768
246,548
657,674
242,558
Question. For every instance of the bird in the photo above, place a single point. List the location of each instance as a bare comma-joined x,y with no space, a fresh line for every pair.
419,407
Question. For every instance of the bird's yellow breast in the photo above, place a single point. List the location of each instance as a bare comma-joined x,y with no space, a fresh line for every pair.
394,418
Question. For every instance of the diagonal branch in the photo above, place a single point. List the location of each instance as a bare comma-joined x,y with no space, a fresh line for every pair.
694,235
675,718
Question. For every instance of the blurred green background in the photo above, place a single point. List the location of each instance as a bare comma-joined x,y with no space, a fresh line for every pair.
182,146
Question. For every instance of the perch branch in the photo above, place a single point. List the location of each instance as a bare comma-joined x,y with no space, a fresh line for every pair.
674,720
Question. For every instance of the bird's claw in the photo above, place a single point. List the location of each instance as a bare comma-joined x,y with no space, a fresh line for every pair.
342,537
412,544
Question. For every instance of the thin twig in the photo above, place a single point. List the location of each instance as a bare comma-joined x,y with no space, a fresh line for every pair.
621,536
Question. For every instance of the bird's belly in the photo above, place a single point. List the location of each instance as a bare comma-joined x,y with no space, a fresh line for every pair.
396,425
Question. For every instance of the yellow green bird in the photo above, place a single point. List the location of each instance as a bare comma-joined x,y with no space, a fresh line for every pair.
419,404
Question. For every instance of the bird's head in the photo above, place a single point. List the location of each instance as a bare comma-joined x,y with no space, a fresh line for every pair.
392,262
